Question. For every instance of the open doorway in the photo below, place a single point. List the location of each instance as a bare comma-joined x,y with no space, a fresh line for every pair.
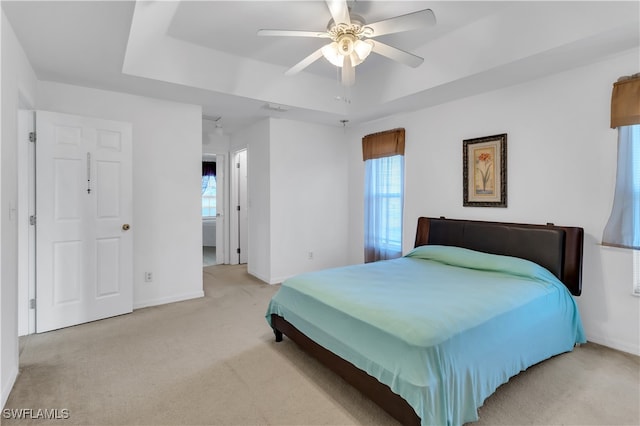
209,210
215,233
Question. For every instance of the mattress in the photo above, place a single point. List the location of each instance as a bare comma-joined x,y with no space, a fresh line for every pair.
443,326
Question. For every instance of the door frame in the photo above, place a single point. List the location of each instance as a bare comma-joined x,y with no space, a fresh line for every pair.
222,202
236,200
26,231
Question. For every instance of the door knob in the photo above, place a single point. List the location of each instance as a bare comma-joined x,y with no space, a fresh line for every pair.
125,227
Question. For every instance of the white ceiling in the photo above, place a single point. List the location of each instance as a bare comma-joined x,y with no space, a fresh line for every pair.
208,53
231,27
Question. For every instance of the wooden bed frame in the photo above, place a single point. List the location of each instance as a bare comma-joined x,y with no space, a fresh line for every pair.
558,248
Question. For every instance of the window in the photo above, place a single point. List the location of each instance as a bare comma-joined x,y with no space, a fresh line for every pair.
208,196
208,189
383,198
635,166
623,227
383,154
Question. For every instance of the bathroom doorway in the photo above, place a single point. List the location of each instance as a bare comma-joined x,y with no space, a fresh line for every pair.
213,217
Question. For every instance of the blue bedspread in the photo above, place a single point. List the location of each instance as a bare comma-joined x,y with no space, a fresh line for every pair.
443,327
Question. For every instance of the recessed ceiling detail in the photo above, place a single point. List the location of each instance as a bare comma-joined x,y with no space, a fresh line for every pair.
208,52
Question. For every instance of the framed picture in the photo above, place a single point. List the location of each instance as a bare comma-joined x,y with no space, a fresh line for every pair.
484,171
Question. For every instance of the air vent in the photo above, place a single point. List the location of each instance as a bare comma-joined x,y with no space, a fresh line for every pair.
275,107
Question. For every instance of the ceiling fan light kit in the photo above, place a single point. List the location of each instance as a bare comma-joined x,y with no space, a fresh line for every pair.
357,52
350,44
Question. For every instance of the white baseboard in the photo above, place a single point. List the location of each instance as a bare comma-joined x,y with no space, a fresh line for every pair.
165,300
614,344
279,280
271,281
6,387
263,278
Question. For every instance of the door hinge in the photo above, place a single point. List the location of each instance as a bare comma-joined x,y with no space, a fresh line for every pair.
237,165
238,208
238,250
32,136
32,220
32,303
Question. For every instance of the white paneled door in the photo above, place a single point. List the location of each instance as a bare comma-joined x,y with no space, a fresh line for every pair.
84,240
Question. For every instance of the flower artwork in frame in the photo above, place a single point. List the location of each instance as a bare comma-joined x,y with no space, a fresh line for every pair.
484,171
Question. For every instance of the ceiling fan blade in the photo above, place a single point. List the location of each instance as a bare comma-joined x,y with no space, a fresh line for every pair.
408,22
293,33
339,11
305,62
348,72
396,54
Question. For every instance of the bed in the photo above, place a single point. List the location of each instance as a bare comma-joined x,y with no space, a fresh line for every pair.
431,335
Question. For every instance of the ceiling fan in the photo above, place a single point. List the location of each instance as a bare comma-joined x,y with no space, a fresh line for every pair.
351,39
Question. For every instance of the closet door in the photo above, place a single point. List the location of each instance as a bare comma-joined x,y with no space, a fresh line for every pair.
84,240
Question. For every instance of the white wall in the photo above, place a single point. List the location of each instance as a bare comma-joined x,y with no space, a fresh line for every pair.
255,139
213,143
18,80
561,169
309,198
167,168
297,197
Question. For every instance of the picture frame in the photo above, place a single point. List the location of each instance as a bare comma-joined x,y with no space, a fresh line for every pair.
484,171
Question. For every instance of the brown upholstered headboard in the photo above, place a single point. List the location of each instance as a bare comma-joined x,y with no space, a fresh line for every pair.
557,248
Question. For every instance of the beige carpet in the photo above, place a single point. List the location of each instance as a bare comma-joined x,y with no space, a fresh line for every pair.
214,361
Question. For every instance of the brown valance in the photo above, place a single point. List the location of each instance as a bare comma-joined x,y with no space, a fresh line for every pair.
625,101
383,144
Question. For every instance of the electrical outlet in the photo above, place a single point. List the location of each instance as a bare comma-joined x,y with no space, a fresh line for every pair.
148,277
